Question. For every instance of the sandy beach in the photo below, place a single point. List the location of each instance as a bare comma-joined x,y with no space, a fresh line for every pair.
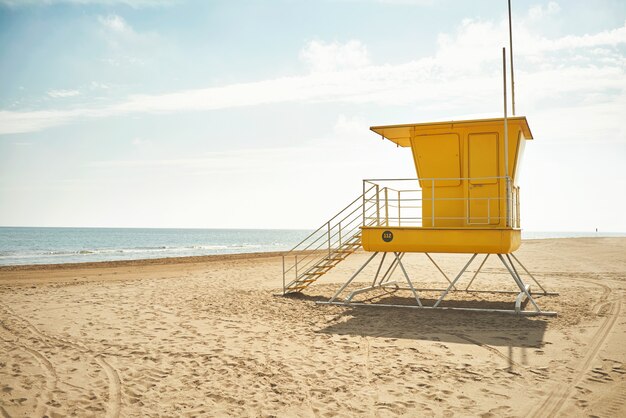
209,336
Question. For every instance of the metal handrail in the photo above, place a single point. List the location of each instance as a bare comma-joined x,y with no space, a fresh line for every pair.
324,232
330,220
321,236
392,198
330,234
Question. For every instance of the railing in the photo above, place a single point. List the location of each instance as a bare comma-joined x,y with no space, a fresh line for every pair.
329,238
402,202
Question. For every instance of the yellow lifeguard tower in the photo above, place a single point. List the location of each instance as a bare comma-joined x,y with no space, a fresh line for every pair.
469,195
465,200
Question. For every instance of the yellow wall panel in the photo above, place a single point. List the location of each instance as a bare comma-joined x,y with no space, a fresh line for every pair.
437,156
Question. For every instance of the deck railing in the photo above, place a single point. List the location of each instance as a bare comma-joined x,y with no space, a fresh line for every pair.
402,202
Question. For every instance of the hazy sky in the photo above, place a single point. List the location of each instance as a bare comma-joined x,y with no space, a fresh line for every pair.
255,113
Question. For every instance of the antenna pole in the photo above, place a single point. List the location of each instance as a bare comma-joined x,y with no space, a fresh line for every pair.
506,139
511,53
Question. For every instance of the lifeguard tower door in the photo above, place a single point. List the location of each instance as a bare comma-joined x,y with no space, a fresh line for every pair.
483,189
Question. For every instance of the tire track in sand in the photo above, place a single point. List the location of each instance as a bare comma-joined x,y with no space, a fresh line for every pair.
4,412
42,336
115,388
50,382
50,378
113,409
554,402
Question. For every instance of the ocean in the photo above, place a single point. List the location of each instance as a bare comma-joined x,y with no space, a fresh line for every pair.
31,245
26,245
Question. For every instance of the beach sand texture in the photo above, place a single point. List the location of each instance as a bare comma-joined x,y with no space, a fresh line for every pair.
209,337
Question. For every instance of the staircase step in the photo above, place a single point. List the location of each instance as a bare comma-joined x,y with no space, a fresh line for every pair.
315,273
326,266
297,287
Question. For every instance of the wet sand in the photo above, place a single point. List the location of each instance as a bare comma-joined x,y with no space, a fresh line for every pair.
208,336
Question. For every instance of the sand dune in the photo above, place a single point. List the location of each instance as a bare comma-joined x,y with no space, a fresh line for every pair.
208,336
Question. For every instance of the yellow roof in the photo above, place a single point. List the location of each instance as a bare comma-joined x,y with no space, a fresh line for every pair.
401,134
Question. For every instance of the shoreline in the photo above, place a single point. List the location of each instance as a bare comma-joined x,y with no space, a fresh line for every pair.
140,262
195,259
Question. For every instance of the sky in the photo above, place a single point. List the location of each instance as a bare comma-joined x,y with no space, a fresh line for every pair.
256,114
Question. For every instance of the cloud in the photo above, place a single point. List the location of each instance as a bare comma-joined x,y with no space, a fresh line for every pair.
346,125
612,37
248,159
120,33
334,56
95,85
115,23
33,121
63,93
141,142
394,2
463,74
539,11
407,2
126,45
131,3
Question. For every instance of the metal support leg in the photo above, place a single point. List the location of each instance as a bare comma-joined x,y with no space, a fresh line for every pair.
283,275
518,281
419,302
477,271
520,299
456,279
528,272
526,288
378,271
352,278
439,268
390,270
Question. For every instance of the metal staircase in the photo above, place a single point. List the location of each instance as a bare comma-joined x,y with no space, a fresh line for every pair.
330,244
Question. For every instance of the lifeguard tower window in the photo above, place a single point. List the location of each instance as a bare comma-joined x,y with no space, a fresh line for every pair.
483,158
437,156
